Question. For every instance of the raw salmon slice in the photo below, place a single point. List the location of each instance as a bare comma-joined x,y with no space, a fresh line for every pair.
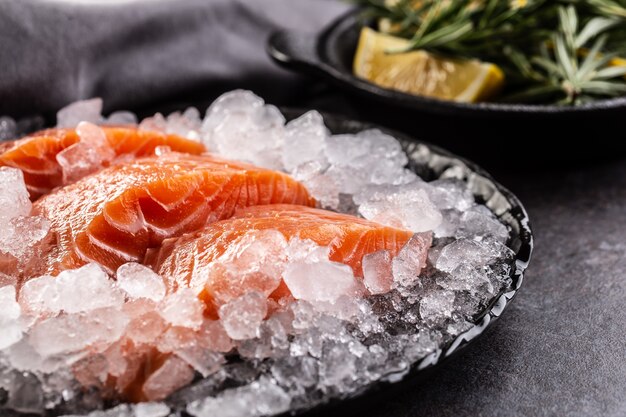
36,154
187,261
114,216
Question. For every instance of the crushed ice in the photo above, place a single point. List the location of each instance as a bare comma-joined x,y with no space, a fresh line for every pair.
67,341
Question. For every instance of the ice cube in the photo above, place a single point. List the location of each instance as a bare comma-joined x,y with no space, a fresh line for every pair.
451,219
183,308
377,275
23,243
71,333
466,278
186,124
9,317
294,371
172,375
146,328
239,126
401,206
8,128
367,157
213,336
450,193
322,187
121,118
72,291
14,199
78,161
242,316
260,398
151,410
202,360
470,252
88,155
481,222
337,368
324,281
407,266
155,123
139,281
437,306
305,141
253,262
80,111
236,101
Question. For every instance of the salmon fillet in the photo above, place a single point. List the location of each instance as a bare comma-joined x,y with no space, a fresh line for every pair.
114,216
36,154
181,261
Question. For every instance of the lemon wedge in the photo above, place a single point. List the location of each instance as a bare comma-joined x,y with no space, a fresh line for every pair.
423,73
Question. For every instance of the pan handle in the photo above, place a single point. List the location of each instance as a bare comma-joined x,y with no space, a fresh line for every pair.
296,51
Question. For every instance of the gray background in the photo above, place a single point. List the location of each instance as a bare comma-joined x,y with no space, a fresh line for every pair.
560,348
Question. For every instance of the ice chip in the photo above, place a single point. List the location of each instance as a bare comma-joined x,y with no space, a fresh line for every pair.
139,281
407,266
14,199
450,193
253,262
8,128
236,101
260,398
322,187
295,370
465,277
239,126
172,375
304,141
156,123
480,222
320,281
369,157
242,316
70,333
202,360
88,155
72,291
151,410
121,118
23,243
437,306
401,206
337,367
213,335
471,252
451,219
186,124
78,161
80,111
183,308
377,275
9,318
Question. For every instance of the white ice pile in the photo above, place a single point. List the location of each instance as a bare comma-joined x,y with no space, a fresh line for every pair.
70,340
22,237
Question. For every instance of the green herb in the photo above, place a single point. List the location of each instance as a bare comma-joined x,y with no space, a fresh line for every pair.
551,51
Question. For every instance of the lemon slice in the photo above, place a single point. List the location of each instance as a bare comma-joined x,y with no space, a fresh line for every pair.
423,73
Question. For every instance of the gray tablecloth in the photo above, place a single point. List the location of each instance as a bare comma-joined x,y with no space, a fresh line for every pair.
560,350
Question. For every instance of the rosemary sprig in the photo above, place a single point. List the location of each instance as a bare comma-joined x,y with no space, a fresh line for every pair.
558,51
565,71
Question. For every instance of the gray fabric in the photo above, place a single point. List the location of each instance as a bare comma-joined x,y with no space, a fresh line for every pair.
559,350
132,53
